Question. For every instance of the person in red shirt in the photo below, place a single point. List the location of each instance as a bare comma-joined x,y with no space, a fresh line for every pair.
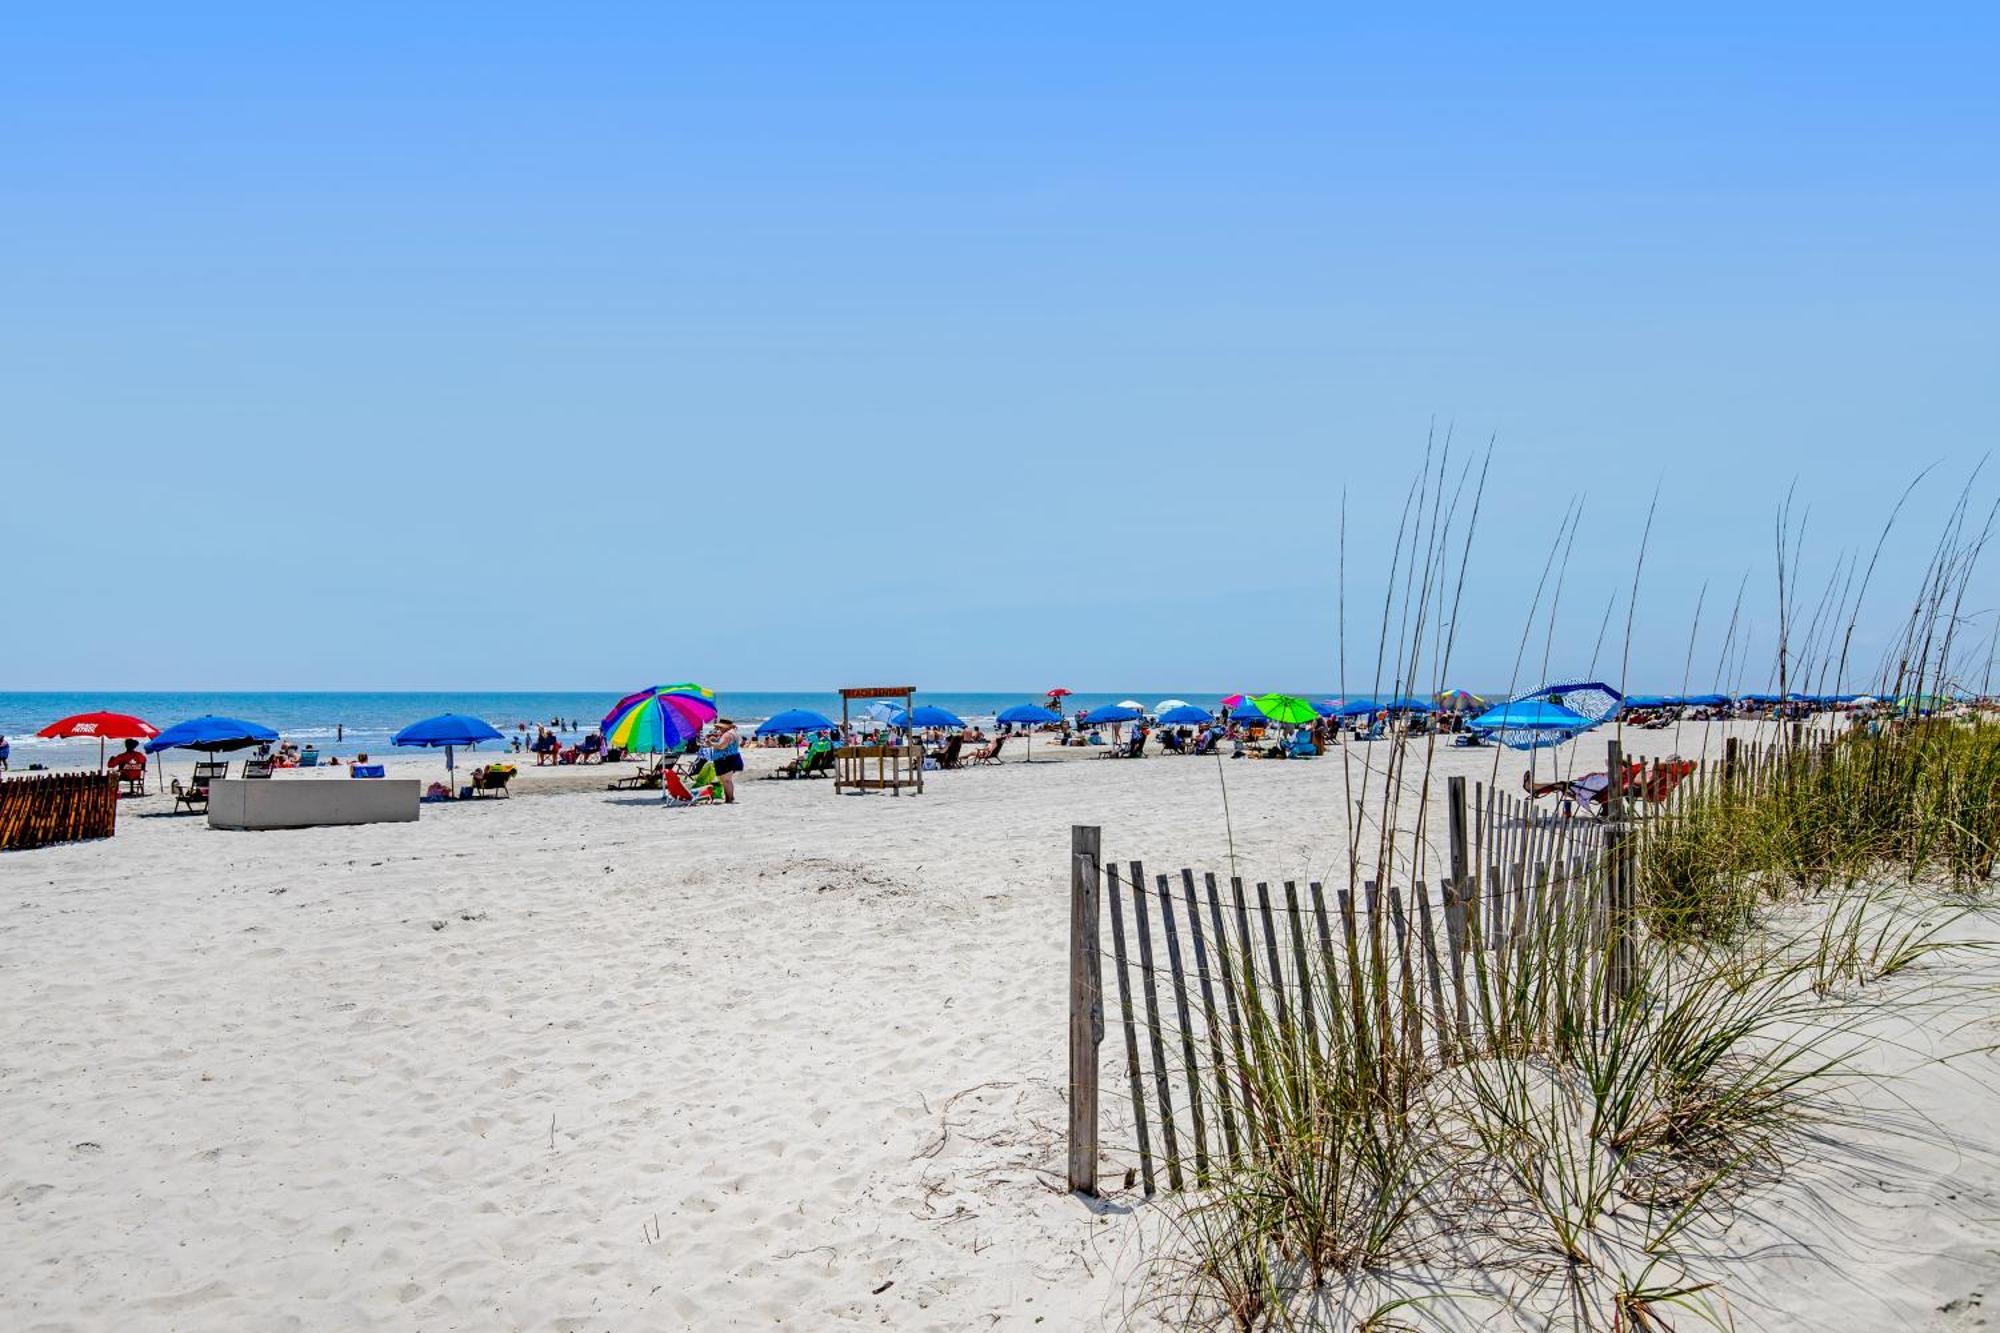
130,765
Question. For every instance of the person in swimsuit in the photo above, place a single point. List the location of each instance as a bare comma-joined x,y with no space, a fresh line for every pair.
727,750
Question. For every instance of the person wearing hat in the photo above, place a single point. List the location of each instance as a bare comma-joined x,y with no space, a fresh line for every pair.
726,748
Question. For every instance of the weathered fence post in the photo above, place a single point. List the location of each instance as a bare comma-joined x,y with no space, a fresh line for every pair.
1086,1004
1618,887
1730,748
1454,789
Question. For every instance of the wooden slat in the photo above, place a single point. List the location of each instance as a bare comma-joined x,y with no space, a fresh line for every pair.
1277,973
1432,968
1304,973
1086,1006
1189,1063
1162,1084
1210,1019
1131,1029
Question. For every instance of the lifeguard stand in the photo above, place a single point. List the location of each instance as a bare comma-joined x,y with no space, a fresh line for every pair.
884,767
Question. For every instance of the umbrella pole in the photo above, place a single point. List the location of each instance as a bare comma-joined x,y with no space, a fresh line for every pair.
450,774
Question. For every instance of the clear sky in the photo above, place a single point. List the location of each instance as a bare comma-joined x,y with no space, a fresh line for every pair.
982,347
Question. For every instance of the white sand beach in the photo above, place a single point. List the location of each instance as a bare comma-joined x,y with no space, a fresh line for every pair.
576,1061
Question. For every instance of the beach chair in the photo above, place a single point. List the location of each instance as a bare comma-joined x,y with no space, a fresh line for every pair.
358,771
1655,783
1206,747
309,758
804,764
195,794
646,779
948,757
254,769
700,788
492,781
1134,748
1302,746
989,755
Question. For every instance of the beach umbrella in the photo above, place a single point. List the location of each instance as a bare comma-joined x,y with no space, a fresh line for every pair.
449,730
1104,713
1706,700
1234,700
1183,715
1591,699
662,718
101,727
1530,724
1917,703
1406,703
927,715
1029,716
1326,707
1287,709
794,722
1355,707
1647,701
1168,705
1459,701
882,710
1132,704
1248,712
211,734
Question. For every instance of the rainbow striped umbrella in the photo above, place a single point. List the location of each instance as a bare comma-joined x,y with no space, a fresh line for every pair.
664,717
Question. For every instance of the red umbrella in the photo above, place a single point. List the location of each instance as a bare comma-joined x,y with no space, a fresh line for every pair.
102,727
1058,692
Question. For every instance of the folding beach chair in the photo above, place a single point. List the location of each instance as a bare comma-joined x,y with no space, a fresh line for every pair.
703,788
195,794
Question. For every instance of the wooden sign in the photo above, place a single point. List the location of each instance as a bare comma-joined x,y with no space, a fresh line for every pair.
878,691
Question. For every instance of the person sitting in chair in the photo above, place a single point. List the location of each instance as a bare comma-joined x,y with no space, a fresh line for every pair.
130,765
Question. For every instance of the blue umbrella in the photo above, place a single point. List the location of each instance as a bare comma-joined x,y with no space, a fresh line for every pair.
1092,717
1648,701
1408,703
1185,715
1593,699
1706,700
926,715
1530,724
212,734
1029,716
793,722
448,730
1248,712
1356,707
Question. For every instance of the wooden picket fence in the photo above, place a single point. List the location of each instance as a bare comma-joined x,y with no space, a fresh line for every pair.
43,808
1205,968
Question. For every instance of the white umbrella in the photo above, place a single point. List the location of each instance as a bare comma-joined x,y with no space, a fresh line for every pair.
1168,705
1132,703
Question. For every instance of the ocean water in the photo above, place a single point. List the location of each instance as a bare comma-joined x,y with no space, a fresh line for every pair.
348,723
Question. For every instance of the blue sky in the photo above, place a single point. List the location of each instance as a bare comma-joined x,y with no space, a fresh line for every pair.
787,346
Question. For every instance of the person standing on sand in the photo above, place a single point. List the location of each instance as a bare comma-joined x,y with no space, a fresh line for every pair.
727,750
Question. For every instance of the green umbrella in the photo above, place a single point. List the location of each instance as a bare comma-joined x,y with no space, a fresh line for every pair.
1286,709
